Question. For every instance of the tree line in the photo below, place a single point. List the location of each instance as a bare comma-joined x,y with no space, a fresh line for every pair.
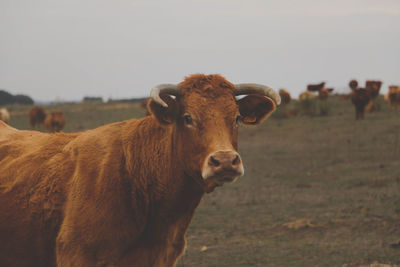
7,99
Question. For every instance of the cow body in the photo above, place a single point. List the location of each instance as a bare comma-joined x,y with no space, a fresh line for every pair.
285,96
315,87
62,202
323,94
37,115
55,121
360,99
122,194
306,95
373,88
393,97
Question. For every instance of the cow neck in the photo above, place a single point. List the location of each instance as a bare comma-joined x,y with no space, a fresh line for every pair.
154,166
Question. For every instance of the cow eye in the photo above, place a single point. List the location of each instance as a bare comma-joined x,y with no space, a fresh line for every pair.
187,119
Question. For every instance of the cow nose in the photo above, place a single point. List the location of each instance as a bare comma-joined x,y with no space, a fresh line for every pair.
224,160
226,164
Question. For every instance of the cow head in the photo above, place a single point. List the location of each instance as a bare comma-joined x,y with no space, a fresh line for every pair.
353,84
205,116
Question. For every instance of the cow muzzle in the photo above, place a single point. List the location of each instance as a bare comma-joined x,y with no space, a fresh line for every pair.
222,167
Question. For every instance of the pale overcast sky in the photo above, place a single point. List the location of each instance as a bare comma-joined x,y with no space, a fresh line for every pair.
67,49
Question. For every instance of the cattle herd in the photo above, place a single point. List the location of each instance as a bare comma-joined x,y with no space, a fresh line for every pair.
38,119
125,193
363,98
54,122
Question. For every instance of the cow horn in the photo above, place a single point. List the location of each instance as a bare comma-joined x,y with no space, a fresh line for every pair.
253,88
171,89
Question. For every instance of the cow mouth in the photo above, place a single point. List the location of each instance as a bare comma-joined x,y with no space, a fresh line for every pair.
209,180
220,180
212,182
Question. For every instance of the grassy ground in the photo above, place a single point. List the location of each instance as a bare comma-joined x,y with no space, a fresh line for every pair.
335,179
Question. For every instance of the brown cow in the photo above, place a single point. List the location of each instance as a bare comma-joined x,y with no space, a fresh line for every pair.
373,88
323,94
360,98
323,106
4,115
37,115
306,95
315,87
55,121
285,96
393,96
123,194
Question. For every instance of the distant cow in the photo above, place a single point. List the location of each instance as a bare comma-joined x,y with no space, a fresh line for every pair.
323,106
123,194
4,115
307,103
37,115
285,96
393,96
55,121
373,88
306,95
323,93
315,87
360,98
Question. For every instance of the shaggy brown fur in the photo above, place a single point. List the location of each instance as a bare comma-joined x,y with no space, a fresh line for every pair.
37,115
285,96
122,194
55,121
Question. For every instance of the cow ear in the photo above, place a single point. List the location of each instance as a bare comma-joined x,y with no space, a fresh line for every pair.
255,108
164,115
